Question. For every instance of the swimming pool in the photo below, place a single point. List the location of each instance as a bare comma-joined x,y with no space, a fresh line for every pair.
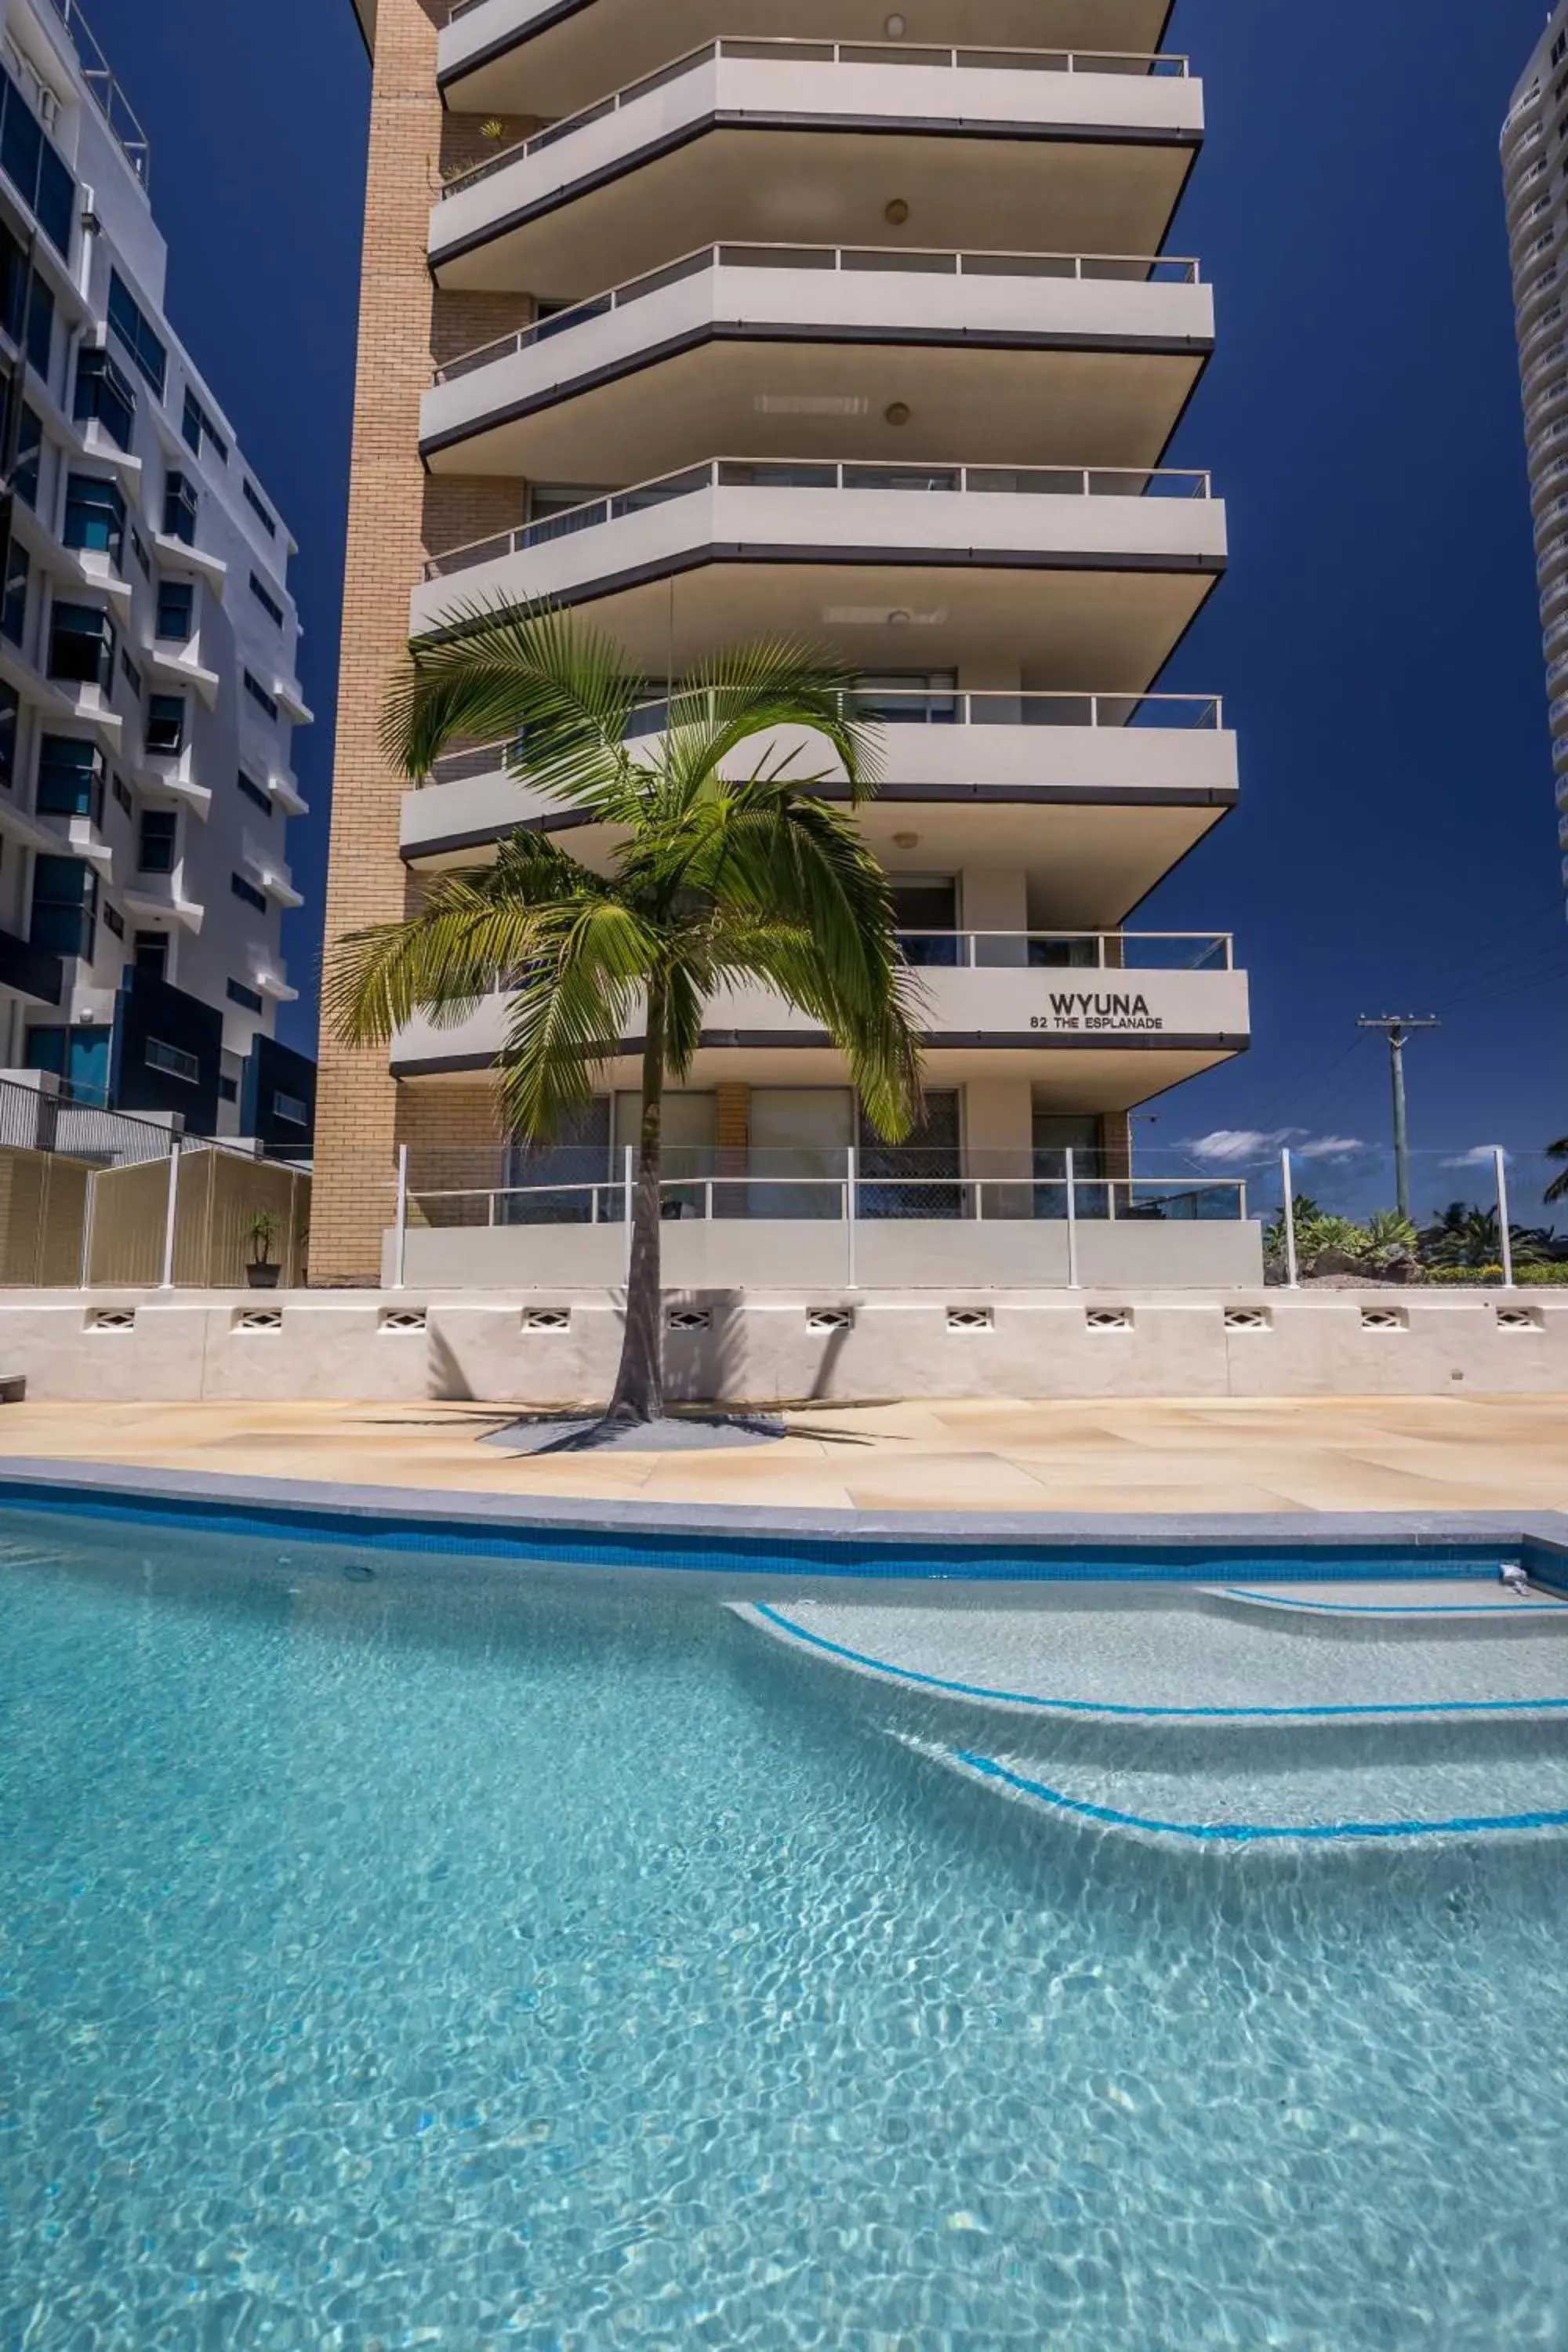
407,1951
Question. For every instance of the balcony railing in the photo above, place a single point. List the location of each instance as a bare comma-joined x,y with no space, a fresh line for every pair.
898,708
836,53
786,474
1107,951
1166,269
105,91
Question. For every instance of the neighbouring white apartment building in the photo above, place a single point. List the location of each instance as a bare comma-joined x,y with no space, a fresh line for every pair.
857,323
148,644
1535,190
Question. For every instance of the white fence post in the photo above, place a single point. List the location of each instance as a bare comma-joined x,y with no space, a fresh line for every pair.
400,1237
88,1211
1073,1282
171,1216
1500,1160
1288,1191
851,1182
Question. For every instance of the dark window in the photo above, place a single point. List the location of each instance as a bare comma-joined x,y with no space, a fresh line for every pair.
104,392
33,165
291,1110
139,550
1559,49
26,306
95,517
129,323
129,673
40,326
254,502
79,1057
155,850
115,921
81,644
150,953
255,794
65,906
259,695
268,602
10,710
166,724
71,778
228,1089
197,427
239,994
122,793
29,446
173,1059
247,891
13,604
180,508
176,610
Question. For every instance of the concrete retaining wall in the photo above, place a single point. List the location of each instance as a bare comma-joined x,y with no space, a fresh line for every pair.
186,1345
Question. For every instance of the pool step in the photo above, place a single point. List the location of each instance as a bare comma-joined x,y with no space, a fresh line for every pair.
1462,1608
1327,1806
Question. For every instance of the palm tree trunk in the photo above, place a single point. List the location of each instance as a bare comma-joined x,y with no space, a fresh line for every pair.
638,1393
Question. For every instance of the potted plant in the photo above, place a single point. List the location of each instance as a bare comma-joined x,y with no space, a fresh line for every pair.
263,1270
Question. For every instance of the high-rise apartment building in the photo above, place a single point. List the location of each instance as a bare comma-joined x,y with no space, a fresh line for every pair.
845,321
148,637
1535,191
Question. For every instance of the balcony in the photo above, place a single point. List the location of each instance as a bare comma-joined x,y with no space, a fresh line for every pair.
1093,573
30,971
825,351
1094,796
761,139
1120,1015
552,57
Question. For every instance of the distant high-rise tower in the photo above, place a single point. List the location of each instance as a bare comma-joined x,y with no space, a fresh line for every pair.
1535,189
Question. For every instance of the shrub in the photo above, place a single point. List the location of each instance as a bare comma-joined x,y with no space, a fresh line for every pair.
1548,1273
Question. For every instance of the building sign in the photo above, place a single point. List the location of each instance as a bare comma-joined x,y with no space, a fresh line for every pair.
1085,1010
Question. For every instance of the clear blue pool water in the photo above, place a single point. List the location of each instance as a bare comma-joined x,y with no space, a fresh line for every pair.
461,1957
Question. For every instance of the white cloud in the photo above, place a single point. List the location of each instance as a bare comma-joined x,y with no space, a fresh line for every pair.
1481,1156
1331,1147
1227,1145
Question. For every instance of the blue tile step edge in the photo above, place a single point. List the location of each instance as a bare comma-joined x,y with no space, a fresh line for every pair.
1462,1804
918,1547
1430,1608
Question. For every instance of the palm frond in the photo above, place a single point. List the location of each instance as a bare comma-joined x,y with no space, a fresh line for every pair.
746,690
571,1012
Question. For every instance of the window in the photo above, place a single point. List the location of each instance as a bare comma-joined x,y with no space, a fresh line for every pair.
239,994
155,849
14,603
10,711
35,167
1559,49
253,793
105,395
139,550
131,327
26,306
253,501
176,610
268,602
129,673
79,1057
259,695
180,508
248,892
122,793
95,517
291,1110
71,778
65,906
114,921
81,644
173,1061
150,953
29,447
198,427
165,732
228,1089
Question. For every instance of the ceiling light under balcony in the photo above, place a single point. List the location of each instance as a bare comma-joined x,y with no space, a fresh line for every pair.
809,403
897,412
879,616
896,212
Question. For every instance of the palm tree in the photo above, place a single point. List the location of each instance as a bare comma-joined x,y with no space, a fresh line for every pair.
711,879
1558,1188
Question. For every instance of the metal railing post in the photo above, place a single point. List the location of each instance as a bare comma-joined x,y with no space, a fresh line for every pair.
628,1211
88,1211
1288,1193
171,1216
851,1182
1073,1282
400,1236
1500,1161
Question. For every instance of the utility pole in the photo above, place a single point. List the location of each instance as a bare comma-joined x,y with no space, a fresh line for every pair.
1397,1026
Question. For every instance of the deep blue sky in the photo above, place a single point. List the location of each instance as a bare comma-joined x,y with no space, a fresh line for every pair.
1376,641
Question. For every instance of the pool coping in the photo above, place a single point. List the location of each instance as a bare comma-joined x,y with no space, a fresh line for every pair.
1005,1546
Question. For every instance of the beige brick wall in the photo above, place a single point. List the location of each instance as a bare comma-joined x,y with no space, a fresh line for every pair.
397,516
